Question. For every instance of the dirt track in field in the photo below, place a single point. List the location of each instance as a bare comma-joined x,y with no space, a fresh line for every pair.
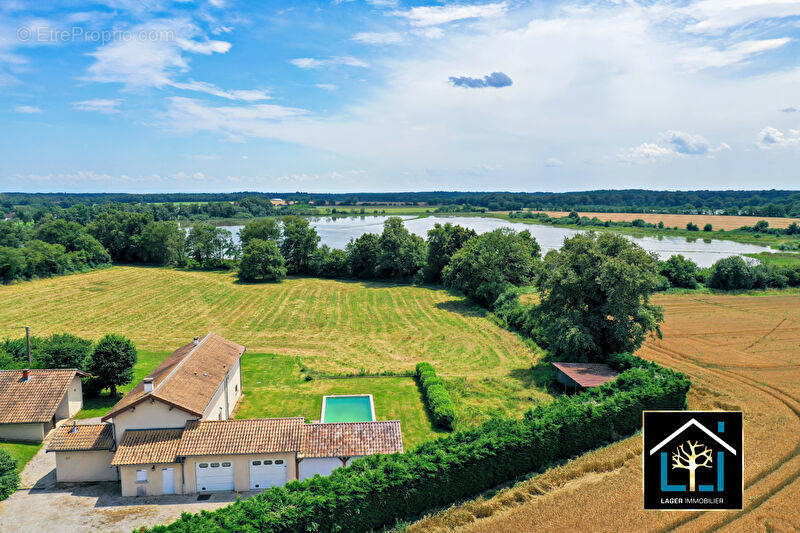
742,353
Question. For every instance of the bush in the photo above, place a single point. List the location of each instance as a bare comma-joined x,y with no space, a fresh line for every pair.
436,398
9,479
731,273
691,226
379,490
679,271
708,227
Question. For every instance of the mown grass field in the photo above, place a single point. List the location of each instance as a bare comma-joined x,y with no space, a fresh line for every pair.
742,352
327,327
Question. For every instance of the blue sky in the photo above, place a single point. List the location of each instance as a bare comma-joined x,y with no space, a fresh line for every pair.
383,95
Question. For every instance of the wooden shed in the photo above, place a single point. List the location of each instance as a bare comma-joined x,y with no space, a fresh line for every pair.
584,375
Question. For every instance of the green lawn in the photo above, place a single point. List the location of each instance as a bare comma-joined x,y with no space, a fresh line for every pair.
274,386
21,451
98,406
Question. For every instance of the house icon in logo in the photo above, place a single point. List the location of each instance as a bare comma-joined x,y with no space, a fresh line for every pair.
692,459
688,459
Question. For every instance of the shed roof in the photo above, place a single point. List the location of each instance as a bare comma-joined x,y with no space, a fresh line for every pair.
348,439
224,437
188,378
587,374
84,437
36,399
143,446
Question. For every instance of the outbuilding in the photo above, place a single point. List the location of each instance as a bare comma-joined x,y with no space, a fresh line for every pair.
84,453
33,401
583,375
326,447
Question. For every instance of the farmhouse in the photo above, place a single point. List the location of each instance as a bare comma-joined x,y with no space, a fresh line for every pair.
585,375
32,401
173,434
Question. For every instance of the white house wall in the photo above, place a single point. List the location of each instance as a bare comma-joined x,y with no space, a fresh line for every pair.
75,396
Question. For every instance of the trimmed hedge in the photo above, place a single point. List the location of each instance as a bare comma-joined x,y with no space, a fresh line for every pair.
436,397
9,479
379,490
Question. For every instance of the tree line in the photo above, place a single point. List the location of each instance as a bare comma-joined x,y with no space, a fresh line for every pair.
766,203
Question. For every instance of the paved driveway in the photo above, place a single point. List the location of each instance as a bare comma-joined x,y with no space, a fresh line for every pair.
41,505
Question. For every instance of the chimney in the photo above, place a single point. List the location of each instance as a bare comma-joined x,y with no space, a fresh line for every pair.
26,375
148,384
196,341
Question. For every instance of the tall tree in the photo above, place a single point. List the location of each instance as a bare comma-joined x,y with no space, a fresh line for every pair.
113,359
209,245
266,229
402,254
362,255
595,297
162,243
299,242
492,262
261,261
443,242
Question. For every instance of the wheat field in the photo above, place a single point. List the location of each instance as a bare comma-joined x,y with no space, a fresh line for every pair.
331,326
717,221
742,352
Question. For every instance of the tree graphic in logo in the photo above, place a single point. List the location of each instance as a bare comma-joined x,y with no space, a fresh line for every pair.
698,456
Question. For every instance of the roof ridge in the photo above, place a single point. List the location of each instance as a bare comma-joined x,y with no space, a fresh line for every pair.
247,419
188,355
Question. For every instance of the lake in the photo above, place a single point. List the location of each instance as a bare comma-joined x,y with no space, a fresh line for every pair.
337,232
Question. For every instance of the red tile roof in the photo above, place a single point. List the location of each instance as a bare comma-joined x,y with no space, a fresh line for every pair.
143,446
230,437
84,437
587,374
36,399
188,378
350,439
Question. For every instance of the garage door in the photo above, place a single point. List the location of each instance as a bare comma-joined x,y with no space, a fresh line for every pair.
214,476
323,466
266,473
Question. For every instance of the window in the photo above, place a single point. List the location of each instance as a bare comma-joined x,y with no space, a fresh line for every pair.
267,462
226,465
214,465
256,463
279,462
203,465
236,388
141,476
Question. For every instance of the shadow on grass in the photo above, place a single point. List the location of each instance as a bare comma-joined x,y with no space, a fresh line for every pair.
463,308
542,375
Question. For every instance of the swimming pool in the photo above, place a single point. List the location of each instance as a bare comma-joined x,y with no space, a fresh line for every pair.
348,408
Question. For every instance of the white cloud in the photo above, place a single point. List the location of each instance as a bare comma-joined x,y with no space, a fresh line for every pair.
204,47
312,62
327,86
701,57
715,16
770,137
100,105
552,162
672,144
247,95
436,15
368,37
27,109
